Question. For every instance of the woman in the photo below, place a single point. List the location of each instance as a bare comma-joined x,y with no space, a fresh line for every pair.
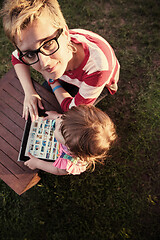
43,41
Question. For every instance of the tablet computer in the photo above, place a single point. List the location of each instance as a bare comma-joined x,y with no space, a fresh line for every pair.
38,139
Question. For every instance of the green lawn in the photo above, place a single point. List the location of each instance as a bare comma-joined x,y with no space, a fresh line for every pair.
119,200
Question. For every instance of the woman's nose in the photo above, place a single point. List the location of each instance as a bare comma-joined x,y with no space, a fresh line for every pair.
43,60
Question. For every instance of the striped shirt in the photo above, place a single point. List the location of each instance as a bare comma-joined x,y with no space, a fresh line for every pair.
100,68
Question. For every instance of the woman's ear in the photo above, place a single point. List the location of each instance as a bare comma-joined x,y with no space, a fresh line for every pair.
66,33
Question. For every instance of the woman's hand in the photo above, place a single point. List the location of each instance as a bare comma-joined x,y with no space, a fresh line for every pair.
31,104
32,163
52,115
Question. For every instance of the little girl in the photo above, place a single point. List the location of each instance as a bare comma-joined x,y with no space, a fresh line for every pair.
85,134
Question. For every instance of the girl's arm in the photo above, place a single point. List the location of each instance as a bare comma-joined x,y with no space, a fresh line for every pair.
35,163
32,99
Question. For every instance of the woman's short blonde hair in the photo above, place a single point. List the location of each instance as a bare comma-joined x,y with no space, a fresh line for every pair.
19,14
88,133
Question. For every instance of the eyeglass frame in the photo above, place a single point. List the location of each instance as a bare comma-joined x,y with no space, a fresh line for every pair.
60,30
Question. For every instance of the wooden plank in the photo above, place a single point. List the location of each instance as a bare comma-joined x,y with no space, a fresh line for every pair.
14,92
10,138
9,162
19,185
14,173
15,83
11,101
33,182
11,125
12,114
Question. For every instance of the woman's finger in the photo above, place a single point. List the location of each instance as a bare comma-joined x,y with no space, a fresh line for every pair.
25,112
40,105
32,113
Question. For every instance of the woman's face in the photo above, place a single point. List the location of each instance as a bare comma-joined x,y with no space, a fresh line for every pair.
36,35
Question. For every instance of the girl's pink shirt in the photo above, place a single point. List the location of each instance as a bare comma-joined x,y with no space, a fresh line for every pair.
71,165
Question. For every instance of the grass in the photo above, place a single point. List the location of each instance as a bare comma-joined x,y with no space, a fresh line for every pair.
119,200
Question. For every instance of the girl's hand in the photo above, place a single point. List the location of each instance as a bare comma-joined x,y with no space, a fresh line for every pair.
32,163
52,115
30,106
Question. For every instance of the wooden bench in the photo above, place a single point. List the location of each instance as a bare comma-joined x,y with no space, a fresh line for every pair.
14,173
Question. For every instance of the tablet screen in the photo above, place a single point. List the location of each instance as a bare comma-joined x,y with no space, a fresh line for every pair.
39,140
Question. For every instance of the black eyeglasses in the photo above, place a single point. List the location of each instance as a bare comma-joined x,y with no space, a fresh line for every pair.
48,48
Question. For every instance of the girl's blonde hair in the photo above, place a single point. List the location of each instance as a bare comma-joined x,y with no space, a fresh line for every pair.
19,14
88,133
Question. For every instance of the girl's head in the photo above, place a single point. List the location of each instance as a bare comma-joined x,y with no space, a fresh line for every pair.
19,14
88,133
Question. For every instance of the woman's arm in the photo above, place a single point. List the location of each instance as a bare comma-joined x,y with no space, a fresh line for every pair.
60,92
35,163
32,99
